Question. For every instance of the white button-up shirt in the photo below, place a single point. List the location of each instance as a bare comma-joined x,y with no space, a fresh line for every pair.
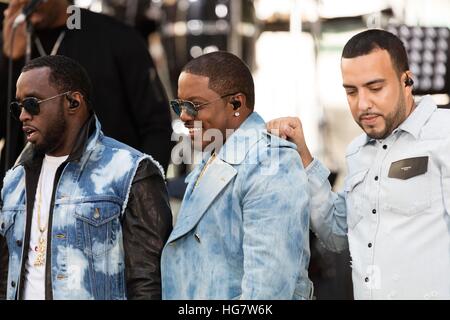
396,216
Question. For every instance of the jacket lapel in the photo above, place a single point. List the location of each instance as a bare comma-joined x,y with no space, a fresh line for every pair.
219,173
214,180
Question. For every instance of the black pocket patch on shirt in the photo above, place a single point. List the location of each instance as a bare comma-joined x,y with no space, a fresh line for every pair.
408,168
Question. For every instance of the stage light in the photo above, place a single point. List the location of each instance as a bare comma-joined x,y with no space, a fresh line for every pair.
427,49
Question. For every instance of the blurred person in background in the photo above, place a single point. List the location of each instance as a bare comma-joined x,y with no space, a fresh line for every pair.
129,98
394,211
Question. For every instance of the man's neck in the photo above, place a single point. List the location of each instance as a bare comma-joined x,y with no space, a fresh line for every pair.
62,15
61,21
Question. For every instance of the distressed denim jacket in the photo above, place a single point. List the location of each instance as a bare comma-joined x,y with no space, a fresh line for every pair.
242,232
87,258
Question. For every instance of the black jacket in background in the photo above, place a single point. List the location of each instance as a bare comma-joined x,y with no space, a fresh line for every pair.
129,98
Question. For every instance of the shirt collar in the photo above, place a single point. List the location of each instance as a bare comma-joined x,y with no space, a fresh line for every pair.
414,123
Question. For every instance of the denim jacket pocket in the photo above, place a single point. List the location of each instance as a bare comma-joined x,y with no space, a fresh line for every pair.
7,218
355,194
97,226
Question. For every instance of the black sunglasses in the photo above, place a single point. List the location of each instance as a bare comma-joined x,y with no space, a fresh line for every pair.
30,104
191,108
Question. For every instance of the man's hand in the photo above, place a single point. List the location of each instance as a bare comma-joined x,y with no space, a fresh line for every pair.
20,41
290,128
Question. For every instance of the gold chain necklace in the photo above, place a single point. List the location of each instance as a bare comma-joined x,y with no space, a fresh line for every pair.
213,156
41,248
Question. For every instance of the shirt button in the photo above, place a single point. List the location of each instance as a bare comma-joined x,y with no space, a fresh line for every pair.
3,226
384,147
376,178
374,211
366,279
19,243
13,284
369,245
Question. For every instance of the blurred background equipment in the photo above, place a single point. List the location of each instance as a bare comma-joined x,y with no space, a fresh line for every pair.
428,51
191,28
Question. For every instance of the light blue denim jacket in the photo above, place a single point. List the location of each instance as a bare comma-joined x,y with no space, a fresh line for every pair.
243,231
87,258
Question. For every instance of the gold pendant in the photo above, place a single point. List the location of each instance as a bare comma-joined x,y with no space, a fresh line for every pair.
41,251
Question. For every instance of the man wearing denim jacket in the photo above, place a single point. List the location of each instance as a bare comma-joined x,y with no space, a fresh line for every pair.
242,230
84,216
395,206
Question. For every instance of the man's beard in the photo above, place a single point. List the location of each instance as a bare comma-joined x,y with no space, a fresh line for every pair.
54,135
391,120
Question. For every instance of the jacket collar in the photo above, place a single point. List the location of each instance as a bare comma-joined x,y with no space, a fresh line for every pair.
240,142
87,138
219,173
236,147
414,123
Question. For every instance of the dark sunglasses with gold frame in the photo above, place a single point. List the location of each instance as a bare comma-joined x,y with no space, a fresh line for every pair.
30,104
191,108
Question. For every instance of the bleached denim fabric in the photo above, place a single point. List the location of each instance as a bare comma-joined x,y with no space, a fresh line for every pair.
243,232
87,258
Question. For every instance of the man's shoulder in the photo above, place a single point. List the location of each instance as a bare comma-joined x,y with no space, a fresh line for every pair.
273,141
146,162
111,143
437,127
98,21
94,17
269,146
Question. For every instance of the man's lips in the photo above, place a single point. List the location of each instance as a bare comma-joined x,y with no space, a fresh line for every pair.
29,131
369,119
193,130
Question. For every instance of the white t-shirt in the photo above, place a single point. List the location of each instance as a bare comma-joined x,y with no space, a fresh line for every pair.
34,287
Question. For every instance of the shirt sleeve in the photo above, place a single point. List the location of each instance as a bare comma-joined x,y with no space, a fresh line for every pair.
328,209
146,227
445,174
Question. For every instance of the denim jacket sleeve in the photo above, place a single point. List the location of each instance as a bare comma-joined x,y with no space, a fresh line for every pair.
275,225
328,209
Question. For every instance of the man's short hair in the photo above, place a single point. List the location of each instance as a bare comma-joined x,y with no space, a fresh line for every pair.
226,72
65,75
367,41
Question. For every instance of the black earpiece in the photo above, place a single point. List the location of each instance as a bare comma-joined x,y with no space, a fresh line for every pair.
73,103
236,104
408,82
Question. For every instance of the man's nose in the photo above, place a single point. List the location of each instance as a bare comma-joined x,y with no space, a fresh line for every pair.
363,101
24,115
185,116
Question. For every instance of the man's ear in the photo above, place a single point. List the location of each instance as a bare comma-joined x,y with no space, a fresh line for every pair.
75,100
237,101
408,79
